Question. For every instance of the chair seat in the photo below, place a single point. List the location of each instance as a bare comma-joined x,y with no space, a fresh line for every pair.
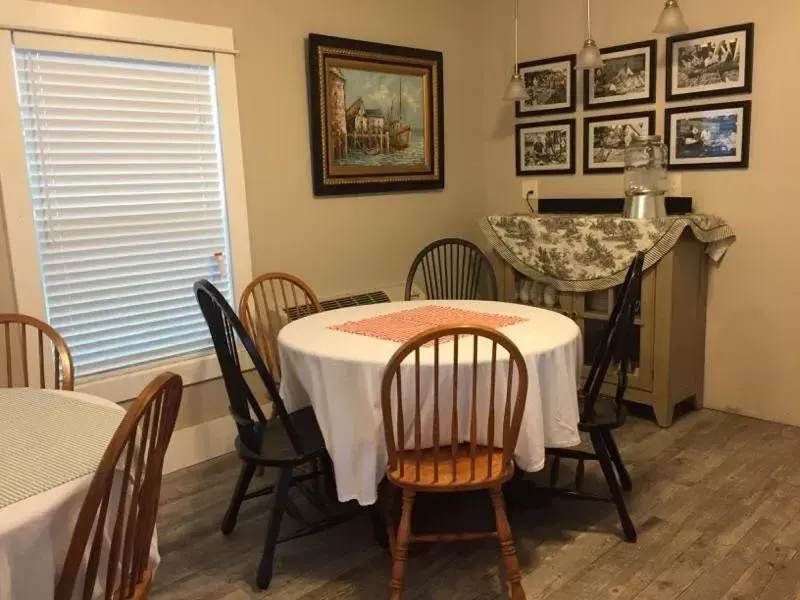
270,444
605,417
489,469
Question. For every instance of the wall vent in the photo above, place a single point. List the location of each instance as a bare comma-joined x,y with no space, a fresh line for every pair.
376,297
391,293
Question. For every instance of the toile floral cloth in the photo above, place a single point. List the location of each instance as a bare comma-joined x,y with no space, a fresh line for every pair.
586,253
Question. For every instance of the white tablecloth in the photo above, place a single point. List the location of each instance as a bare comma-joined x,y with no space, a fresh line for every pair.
35,534
340,374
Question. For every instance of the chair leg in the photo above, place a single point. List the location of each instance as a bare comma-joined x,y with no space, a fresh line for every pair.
509,551
613,485
616,458
378,522
245,477
329,479
400,556
264,576
388,498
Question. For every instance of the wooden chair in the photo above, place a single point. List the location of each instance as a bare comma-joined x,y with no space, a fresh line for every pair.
601,414
291,443
135,456
22,333
440,462
268,303
453,269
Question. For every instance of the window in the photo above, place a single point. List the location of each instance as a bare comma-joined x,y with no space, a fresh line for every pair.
128,197
127,193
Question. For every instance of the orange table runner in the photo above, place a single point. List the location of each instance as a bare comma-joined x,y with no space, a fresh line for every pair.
404,325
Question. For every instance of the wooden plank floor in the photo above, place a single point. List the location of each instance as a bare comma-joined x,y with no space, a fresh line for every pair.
716,501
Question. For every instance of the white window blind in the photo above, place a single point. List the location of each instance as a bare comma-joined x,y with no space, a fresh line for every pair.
127,191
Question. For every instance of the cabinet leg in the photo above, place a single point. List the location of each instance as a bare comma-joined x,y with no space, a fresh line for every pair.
697,401
664,414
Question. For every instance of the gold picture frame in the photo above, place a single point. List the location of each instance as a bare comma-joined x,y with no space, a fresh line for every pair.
376,115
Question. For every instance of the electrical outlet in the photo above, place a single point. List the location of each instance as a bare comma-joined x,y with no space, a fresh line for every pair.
530,193
674,184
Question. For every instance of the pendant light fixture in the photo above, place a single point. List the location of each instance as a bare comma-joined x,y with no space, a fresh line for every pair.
515,90
671,19
589,57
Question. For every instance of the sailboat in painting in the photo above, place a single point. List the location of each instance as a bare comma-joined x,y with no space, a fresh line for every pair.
399,132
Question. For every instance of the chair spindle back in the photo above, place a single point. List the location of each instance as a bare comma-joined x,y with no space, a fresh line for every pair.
616,342
122,500
34,354
226,328
477,342
453,269
268,303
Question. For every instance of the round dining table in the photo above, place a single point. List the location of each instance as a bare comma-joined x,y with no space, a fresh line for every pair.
335,360
51,442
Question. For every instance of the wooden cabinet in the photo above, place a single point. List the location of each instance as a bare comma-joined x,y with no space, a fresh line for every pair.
668,355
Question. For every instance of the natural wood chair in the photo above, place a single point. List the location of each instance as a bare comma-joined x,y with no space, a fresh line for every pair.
437,457
601,414
134,456
453,269
291,443
268,303
19,335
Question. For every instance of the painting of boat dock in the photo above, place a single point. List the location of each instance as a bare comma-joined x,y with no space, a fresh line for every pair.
376,118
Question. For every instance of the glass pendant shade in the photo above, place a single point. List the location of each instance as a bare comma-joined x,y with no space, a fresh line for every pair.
589,57
671,19
515,91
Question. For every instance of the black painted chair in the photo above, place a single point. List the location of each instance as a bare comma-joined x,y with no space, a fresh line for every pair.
601,414
291,443
453,269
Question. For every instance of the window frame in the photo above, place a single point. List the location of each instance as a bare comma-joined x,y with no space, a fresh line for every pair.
128,33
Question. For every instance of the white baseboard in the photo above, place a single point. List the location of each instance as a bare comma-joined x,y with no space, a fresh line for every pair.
199,443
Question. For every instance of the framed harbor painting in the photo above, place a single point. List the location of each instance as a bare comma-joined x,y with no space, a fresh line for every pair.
716,62
377,117
546,148
549,86
714,136
606,138
628,76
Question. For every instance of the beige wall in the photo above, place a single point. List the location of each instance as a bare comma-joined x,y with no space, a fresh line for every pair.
753,328
342,244
337,244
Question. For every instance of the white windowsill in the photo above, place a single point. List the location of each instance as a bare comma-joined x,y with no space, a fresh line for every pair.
123,386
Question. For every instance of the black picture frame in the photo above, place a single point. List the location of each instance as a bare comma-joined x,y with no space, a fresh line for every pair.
746,87
331,127
650,115
570,152
650,49
702,163
569,61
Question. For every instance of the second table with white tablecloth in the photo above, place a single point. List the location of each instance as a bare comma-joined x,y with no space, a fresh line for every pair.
335,361
51,442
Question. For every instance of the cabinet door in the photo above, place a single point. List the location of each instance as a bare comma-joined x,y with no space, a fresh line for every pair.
593,309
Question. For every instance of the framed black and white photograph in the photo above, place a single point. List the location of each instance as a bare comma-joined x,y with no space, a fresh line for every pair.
628,76
716,62
606,138
549,86
714,136
546,148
